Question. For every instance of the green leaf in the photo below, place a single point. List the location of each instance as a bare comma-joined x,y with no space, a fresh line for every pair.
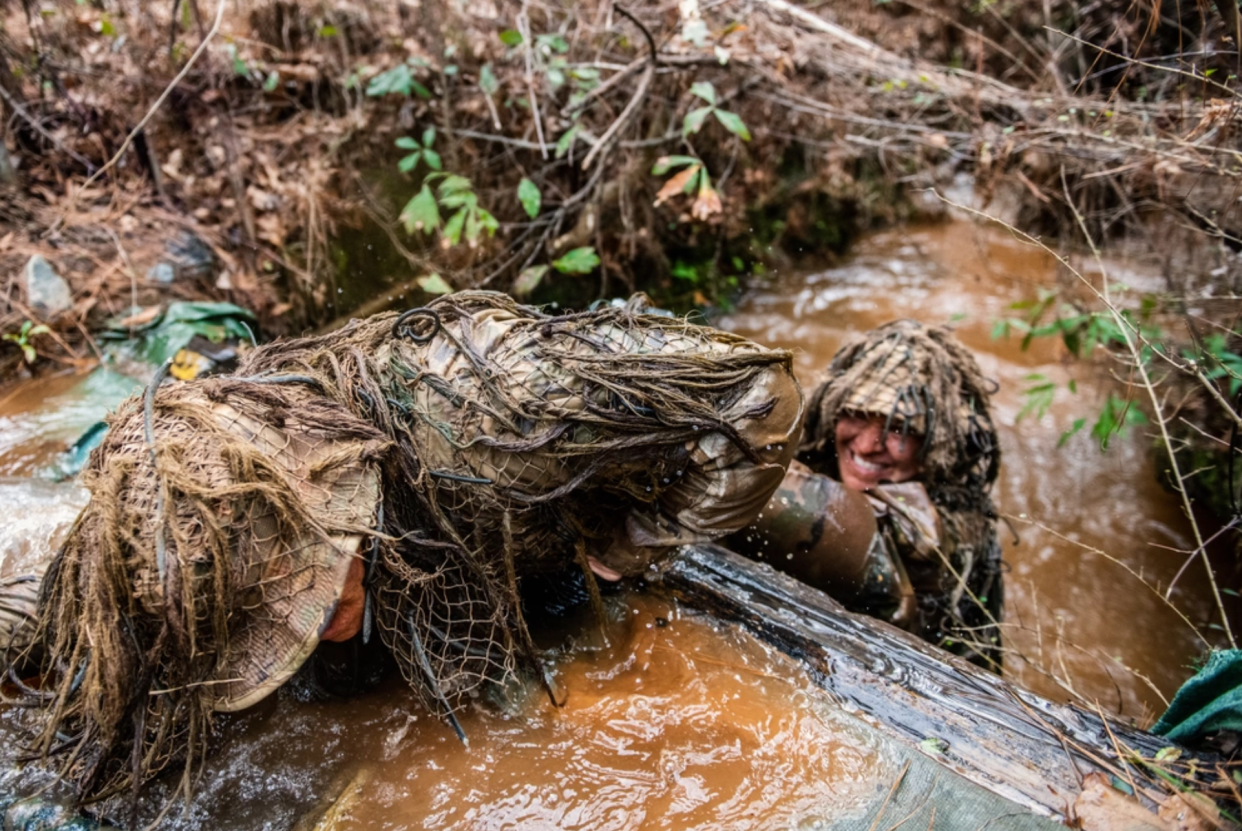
409,162
270,83
454,184
694,120
432,158
419,90
488,222
695,31
733,123
29,352
566,140
41,329
487,79
1121,785
1038,399
327,31
407,143
434,284
1168,754
666,163
473,227
704,90
934,746
578,261
685,271
453,228
696,182
459,199
429,137
530,197
529,280
1117,416
397,80
511,37
552,42
421,213
1000,329
1078,425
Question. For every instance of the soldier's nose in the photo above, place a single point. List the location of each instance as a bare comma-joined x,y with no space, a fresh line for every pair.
872,438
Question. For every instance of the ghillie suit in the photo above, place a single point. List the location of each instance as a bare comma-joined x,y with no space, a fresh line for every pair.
528,442
924,382
203,587
483,444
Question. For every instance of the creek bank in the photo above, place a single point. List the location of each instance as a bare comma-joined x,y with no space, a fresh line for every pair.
480,149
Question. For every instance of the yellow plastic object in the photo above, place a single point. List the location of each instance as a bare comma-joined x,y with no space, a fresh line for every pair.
188,365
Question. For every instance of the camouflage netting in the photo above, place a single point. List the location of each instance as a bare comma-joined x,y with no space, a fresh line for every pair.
926,383
528,442
202,588
458,450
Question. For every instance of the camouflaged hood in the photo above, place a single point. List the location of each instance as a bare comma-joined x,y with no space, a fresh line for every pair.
922,379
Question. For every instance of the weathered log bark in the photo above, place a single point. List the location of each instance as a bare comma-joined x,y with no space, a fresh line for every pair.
1014,743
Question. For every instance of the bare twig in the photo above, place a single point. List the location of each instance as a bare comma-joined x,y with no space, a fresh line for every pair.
1128,333
640,93
523,24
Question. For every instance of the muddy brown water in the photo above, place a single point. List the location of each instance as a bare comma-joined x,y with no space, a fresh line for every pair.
678,723
1076,620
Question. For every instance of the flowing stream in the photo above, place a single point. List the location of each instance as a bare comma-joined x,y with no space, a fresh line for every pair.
1076,619
675,724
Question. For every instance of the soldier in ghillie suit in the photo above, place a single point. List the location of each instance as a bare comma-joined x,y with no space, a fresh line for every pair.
888,507
404,477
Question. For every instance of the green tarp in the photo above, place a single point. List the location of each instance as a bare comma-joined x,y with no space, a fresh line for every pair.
1208,702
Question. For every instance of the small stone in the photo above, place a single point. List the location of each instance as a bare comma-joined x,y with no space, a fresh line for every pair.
162,273
46,291
191,256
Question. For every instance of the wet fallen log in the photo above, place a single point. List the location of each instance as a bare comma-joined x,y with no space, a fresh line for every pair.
1036,754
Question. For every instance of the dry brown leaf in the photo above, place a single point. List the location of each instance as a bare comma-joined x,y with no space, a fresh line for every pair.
1101,807
706,205
304,72
141,318
1190,812
262,200
271,229
675,185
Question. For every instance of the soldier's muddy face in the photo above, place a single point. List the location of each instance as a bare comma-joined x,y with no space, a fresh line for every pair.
868,454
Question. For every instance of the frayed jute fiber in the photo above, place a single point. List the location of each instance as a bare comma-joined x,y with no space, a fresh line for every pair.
456,450
922,381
